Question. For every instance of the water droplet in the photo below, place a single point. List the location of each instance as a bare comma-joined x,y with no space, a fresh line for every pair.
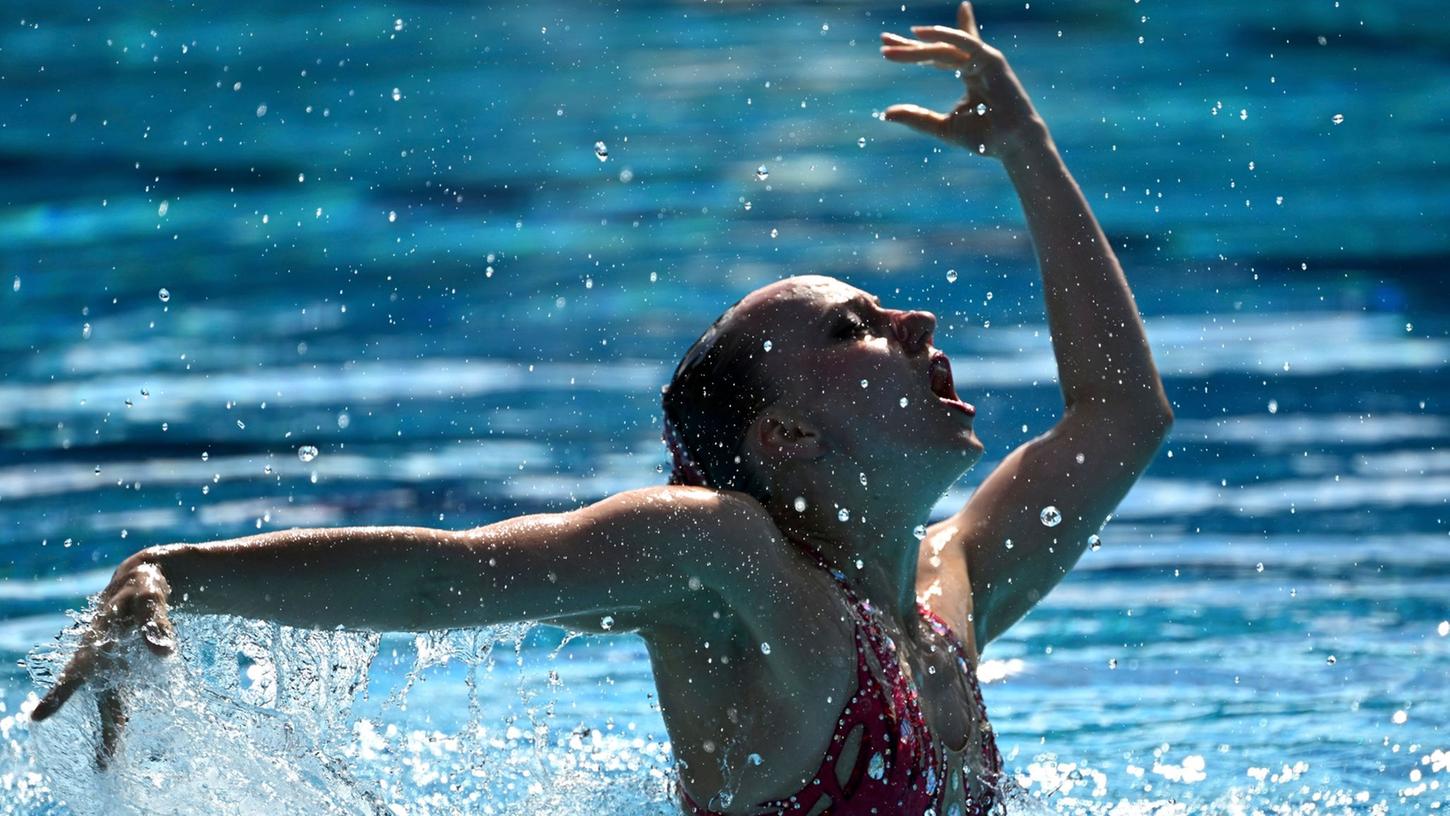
343,420
1443,629
626,176
951,276
754,759
865,383
241,426
1259,567
919,531
903,402
799,504
307,453
1331,660
601,151
876,768
1113,663
981,108
392,216
1095,543
843,514
98,470
261,110
205,456
764,648
1273,406
1080,458
767,345
1008,544
1050,516
774,233
162,208
861,142
694,583
397,94
85,331
125,533
164,294
1400,717
1337,119
398,24
15,284
863,479
762,173
606,623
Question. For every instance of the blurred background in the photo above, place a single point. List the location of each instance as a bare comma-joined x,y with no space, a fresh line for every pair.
272,264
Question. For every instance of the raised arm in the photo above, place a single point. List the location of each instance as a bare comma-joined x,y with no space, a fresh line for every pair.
628,558
1115,411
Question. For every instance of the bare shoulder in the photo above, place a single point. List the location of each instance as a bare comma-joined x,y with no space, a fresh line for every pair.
722,539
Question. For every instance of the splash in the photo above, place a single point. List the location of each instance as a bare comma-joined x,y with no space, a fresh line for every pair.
259,718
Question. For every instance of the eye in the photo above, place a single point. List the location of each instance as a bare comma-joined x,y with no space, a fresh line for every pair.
849,326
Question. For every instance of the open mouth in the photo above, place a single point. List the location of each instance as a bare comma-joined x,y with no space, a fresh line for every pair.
941,384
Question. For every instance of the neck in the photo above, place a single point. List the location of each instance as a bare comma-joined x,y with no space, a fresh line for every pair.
880,538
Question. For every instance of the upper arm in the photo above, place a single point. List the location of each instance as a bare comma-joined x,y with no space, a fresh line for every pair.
625,563
1082,467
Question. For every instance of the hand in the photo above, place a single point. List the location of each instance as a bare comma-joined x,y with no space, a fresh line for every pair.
134,602
994,117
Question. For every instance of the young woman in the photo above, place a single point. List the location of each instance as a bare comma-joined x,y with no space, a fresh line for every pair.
814,646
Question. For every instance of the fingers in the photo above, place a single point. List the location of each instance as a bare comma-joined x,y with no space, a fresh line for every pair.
962,40
157,631
72,677
918,118
113,719
942,55
967,21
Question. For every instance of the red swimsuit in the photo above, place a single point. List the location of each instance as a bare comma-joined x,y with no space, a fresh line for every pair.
899,767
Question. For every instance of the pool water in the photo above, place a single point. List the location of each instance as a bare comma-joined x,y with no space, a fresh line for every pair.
386,231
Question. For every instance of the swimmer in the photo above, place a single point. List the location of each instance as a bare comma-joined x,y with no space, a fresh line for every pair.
806,630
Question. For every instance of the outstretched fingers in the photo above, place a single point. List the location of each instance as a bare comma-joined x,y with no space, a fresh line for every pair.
967,21
942,55
72,677
919,118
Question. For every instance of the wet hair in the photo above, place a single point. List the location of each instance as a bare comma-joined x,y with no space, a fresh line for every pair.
717,391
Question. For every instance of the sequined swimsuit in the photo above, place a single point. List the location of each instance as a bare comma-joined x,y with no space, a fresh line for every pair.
899,768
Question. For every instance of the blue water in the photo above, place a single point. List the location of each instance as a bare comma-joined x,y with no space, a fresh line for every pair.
384,231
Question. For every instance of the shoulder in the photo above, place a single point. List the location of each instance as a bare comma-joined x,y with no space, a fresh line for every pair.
700,526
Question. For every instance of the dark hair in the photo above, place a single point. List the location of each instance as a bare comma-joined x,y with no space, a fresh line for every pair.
716,393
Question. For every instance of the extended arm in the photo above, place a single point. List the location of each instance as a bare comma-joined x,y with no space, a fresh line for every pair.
1115,414
629,557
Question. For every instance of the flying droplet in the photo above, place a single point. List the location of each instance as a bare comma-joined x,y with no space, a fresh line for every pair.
903,402
1337,119
397,94
398,24
951,276
1400,717
863,479
392,216
843,514
1050,516
767,345
606,623
1080,458
1331,660
754,759
162,208
205,456
1273,406
981,108
601,151
1095,543
241,426
861,142
764,648
1259,567
307,453
86,331
164,294
800,504
762,173
919,531
1113,663
865,383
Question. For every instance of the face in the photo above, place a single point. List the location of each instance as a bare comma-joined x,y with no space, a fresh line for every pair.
866,376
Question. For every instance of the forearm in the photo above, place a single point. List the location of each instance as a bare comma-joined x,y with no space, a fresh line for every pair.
381,578
1103,358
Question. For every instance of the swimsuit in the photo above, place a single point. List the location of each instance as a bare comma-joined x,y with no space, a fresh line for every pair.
899,767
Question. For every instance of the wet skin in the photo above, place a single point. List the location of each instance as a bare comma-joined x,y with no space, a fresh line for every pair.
708,578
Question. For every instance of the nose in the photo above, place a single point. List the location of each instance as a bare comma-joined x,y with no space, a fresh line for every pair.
914,329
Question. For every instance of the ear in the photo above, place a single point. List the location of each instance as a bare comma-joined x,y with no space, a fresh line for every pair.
778,436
